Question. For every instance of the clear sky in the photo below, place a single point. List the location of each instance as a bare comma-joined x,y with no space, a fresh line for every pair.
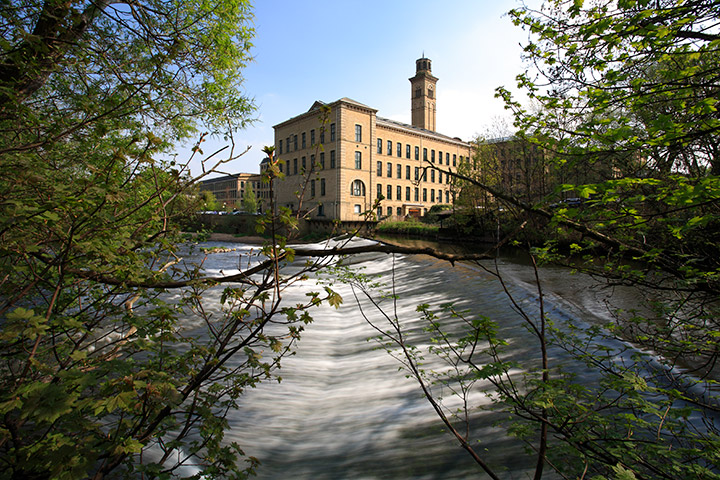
366,50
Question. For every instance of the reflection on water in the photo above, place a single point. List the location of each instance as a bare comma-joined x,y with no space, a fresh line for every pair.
343,409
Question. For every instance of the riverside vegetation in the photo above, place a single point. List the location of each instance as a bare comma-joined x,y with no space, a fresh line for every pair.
103,376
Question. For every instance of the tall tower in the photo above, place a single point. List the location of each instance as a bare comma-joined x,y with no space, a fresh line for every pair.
423,95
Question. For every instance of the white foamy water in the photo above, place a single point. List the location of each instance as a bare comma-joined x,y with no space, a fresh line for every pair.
343,409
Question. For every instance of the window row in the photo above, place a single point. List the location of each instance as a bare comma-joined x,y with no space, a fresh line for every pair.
398,211
431,158
290,144
420,174
412,194
294,167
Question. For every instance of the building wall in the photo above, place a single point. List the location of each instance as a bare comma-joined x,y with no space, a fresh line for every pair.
319,176
343,198
425,186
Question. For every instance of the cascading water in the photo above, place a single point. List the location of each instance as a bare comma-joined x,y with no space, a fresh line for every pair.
344,410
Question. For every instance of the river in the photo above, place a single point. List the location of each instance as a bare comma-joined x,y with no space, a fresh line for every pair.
344,410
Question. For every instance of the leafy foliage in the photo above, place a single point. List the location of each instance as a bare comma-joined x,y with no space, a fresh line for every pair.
625,115
249,200
113,361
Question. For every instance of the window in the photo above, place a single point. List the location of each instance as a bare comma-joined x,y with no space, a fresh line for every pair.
417,153
321,210
454,160
312,188
312,162
440,158
389,147
322,187
398,149
379,190
389,170
398,193
358,209
439,196
280,146
379,212
379,145
407,172
430,92
322,135
424,194
432,176
294,166
389,211
358,188
304,166
295,142
418,92
280,166
399,171
379,169
358,133
358,160
447,196
287,144
303,140
417,194
332,132
322,160
447,159
432,156
407,194
407,151
389,192
425,154
417,174
399,211
312,137
432,195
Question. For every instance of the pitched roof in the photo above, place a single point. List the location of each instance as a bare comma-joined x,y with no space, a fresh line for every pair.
386,122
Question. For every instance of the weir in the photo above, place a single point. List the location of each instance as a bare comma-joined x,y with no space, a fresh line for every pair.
345,410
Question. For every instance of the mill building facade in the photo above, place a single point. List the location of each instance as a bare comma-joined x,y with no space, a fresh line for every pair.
344,163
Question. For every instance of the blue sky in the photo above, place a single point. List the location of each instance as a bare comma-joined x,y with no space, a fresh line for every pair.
366,50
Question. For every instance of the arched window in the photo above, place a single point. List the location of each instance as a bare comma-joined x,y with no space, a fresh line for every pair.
357,188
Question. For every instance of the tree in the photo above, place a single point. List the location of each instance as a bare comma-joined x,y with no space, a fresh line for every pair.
209,202
102,370
628,120
631,88
249,201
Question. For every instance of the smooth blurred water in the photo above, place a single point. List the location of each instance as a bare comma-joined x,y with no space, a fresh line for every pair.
344,410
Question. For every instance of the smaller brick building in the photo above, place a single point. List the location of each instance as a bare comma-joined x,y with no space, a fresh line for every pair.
229,189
